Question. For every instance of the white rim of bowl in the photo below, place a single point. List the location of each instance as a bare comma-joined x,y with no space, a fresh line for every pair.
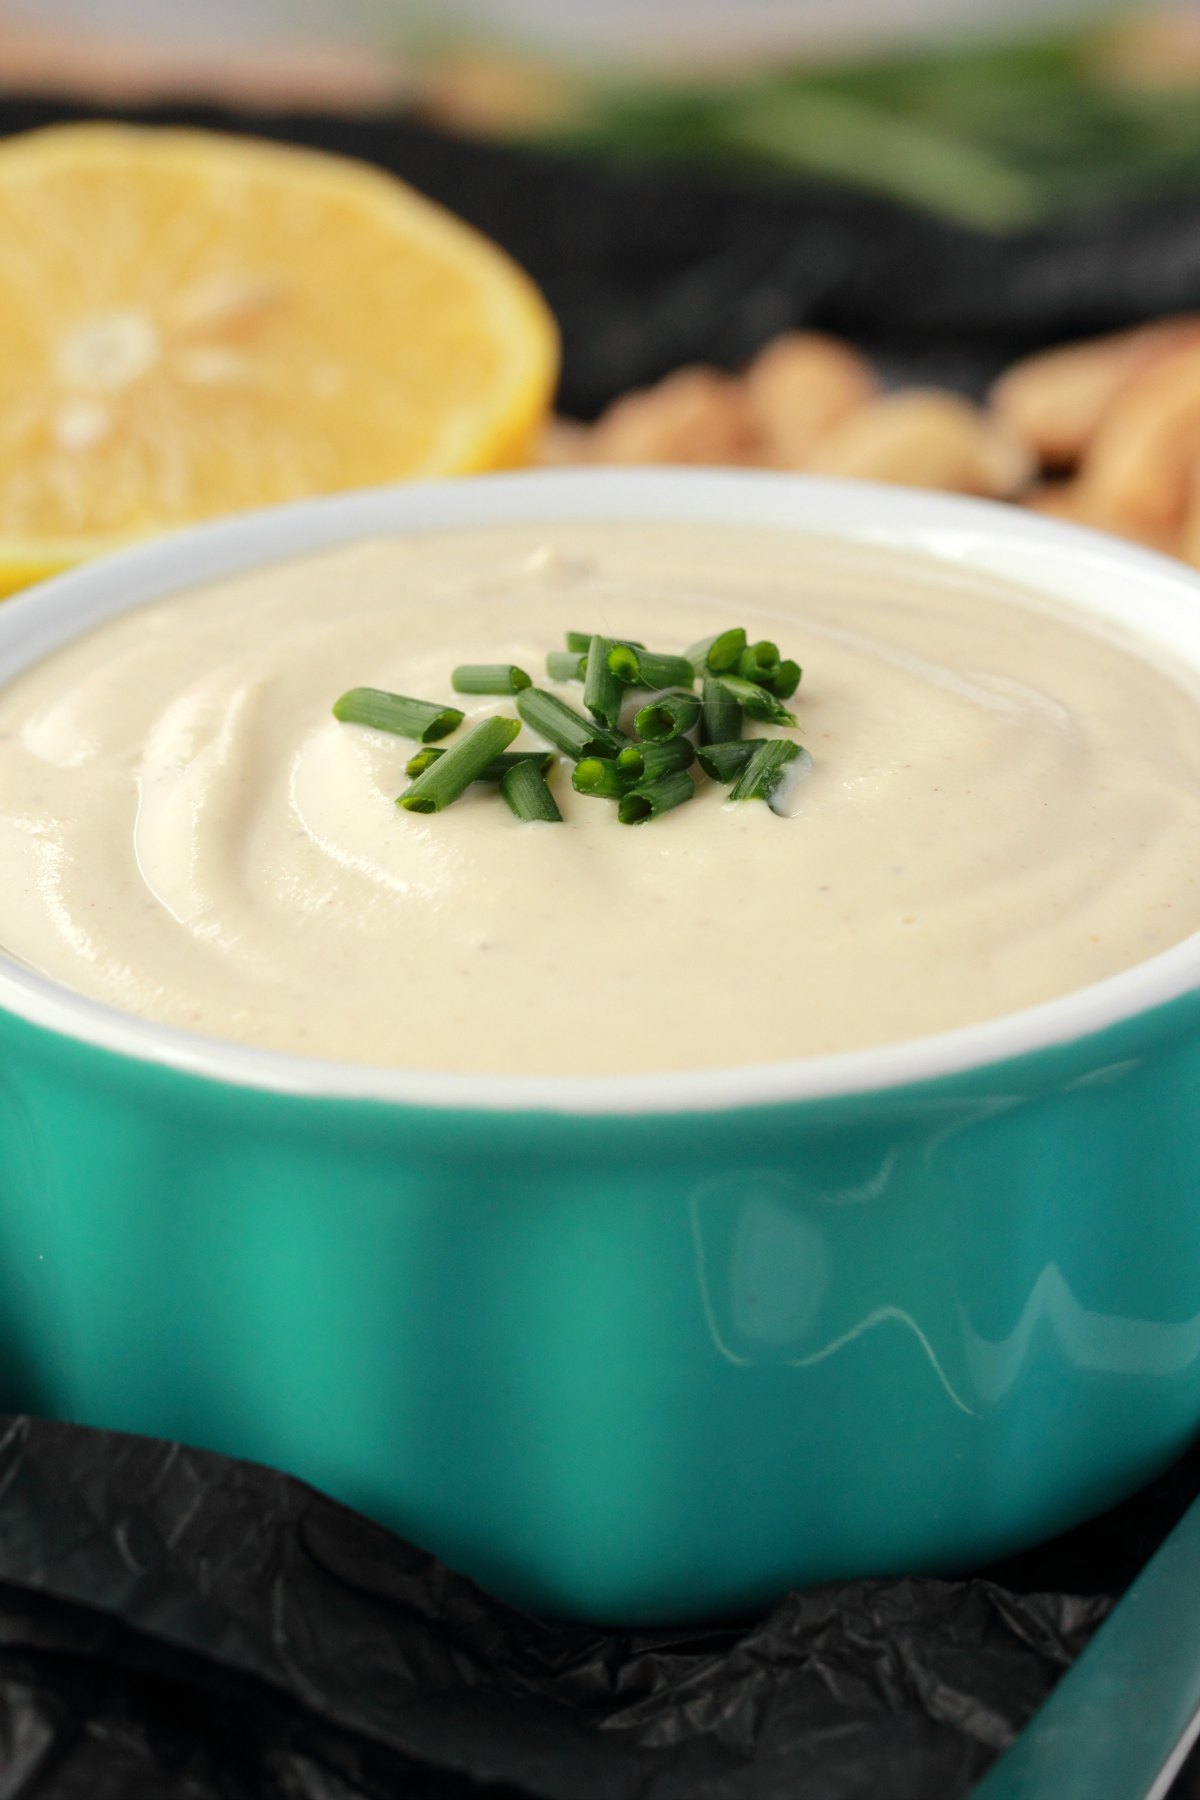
1157,599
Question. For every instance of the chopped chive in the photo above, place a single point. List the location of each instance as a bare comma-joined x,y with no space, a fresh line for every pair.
421,719
647,762
450,776
600,777
765,770
720,653
565,665
725,651
568,730
758,661
720,714
582,640
755,701
603,690
524,787
496,770
649,668
624,657
725,762
489,678
667,717
623,663
655,797
783,681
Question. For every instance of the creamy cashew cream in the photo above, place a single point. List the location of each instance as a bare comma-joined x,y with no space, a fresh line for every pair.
1003,805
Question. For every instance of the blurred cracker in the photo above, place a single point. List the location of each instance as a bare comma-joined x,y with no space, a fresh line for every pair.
801,386
490,92
1188,546
1139,466
926,438
1055,401
1150,51
564,442
696,415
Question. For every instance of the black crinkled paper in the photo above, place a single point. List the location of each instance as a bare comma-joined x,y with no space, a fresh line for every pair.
174,1623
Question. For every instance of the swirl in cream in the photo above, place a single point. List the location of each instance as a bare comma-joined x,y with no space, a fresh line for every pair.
1004,804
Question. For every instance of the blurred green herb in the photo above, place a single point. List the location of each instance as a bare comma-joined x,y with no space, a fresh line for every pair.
996,135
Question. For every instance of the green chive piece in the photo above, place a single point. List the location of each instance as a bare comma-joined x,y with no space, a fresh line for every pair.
755,701
624,660
720,714
464,763
726,650
667,717
582,640
603,690
417,765
758,661
641,763
565,665
489,678
566,729
421,719
496,770
623,663
600,777
524,787
765,770
649,668
718,654
655,797
784,681
725,762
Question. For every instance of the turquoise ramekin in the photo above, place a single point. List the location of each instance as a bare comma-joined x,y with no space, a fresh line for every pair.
649,1350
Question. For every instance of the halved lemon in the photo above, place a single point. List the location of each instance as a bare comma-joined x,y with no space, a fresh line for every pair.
192,324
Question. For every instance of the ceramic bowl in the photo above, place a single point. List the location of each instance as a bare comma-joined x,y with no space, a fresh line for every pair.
638,1350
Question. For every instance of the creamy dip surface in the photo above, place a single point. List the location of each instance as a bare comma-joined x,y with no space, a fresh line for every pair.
1004,804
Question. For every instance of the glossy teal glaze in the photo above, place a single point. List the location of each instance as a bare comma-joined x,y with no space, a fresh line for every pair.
638,1369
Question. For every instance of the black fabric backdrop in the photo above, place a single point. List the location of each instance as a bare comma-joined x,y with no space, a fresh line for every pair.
174,1624
646,271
